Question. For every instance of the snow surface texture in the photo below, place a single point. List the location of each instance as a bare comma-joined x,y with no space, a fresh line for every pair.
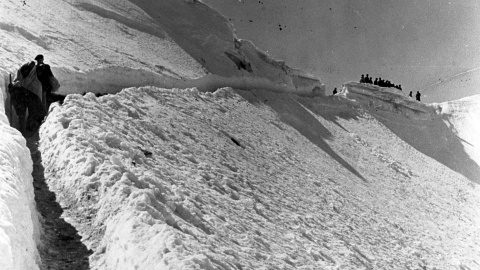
19,226
178,179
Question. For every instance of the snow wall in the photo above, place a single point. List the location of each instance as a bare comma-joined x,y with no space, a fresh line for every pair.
19,225
424,126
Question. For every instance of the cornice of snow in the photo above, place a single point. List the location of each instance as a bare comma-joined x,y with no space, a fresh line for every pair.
386,99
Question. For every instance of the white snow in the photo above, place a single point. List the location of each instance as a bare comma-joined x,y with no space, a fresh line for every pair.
447,132
19,226
271,175
178,179
463,117
111,38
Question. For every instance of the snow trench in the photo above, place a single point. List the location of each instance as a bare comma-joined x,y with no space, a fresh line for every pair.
19,224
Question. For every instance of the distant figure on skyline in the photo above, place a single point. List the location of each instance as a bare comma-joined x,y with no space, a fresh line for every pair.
335,91
418,96
375,82
368,79
410,95
362,79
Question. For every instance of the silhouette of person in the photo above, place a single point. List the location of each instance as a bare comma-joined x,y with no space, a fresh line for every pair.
367,79
335,91
375,82
418,96
362,79
410,94
45,75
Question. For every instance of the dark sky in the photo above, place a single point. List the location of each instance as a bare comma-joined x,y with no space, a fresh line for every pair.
414,43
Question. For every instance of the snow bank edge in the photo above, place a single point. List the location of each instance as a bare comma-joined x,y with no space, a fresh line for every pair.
19,225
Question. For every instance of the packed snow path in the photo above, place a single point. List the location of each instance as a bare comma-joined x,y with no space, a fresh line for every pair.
177,179
60,243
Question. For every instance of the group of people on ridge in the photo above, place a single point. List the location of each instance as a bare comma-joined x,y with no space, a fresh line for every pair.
379,81
32,92
387,83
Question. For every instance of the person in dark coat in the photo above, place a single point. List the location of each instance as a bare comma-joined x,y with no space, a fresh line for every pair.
410,94
23,99
46,78
362,79
335,91
380,82
418,96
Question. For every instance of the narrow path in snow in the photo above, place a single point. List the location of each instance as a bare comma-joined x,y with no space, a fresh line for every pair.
61,246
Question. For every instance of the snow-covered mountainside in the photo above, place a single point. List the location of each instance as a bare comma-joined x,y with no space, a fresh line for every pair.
267,173
455,87
447,132
177,179
171,43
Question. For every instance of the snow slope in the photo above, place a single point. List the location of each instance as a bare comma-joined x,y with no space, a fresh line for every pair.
257,179
447,132
173,42
177,179
19,226
454,87
462,116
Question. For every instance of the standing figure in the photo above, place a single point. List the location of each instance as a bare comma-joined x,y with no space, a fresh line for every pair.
418,96
410,94
335,91
362,79
49,82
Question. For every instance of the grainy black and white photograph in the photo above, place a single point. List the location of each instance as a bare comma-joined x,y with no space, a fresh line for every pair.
239,135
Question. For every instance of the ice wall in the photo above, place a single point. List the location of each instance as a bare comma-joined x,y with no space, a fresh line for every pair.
19,226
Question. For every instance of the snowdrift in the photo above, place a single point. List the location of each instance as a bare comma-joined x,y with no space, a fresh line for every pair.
178,179
438,135
19,226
